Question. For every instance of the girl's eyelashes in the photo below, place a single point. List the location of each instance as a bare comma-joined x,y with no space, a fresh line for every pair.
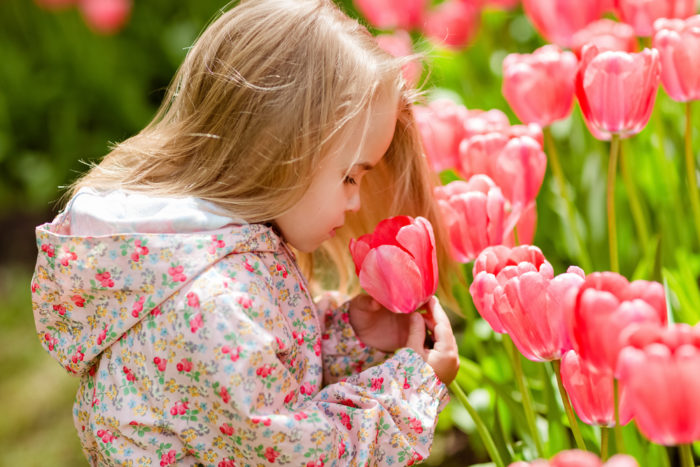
350,180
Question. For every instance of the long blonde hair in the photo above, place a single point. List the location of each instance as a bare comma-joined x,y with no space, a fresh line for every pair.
252,110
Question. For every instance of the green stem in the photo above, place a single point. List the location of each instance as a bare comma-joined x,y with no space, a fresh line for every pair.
686,455
604,441
525,393
580,444
612,228
619,443
561,181
480,426
690,168
635,205
516,238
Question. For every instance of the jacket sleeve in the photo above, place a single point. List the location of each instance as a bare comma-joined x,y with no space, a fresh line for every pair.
384,415
343,352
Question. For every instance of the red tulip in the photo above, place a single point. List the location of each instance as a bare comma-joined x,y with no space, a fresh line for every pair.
493,267
390,14
397,263
106,16
540,86
606,34
452,23
591,392
577,458
632,78
399,44
641,14
558,20
606,310
517,164
532,311
441,125
475,215
678,43
659,367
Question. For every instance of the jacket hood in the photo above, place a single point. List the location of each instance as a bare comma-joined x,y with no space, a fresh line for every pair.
110,259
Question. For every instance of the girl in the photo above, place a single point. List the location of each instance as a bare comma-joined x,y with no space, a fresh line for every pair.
169,286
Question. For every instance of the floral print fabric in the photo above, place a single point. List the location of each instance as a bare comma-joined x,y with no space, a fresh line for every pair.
207,349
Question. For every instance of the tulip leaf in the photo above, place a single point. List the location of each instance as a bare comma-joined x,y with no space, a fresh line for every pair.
683,289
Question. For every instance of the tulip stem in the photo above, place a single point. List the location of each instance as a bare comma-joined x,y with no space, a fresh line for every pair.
604,441
480,425
580,444
619,443
635,205
690,168
561,181
612,228
524,392
686,455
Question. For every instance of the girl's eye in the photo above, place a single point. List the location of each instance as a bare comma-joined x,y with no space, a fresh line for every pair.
349,180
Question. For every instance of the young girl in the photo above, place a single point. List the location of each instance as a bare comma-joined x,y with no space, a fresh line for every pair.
168,283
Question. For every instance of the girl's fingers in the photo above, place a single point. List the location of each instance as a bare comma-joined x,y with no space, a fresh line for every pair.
416,333
440,327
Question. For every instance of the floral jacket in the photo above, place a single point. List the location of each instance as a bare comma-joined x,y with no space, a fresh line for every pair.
204,347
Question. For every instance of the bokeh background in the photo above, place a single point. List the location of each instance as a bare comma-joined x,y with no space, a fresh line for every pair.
69,88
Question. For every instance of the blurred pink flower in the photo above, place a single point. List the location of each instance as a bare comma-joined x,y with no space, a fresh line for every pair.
390,14
452,23
641,14
632,78
532,311
659,367
678,43
501,4
479,122
475,215
606,310
441,125
606,34
397,263
591,392
577,458
494,266
516,164
539,87
105,16
558,20
399,45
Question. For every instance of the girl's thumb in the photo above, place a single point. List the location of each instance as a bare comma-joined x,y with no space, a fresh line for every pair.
416,333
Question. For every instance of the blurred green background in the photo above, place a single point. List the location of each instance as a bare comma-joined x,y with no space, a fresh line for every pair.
66,93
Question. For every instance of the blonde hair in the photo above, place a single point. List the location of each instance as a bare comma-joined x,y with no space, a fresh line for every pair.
252,110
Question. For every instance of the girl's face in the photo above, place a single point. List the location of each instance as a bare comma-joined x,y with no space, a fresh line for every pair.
335,187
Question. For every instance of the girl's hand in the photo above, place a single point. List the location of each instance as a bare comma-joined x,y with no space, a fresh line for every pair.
443,357
376,326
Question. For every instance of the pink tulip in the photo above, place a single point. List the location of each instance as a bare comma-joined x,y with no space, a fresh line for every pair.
441,125
678,43
475,215
525,228
533,130
397,263
493,267
452,23
616,90
591,392
517,164
641,14
532,311
480,122
558,20
399,45
606,34
606,310
577,458
540,86
105,16
390,14
660,369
